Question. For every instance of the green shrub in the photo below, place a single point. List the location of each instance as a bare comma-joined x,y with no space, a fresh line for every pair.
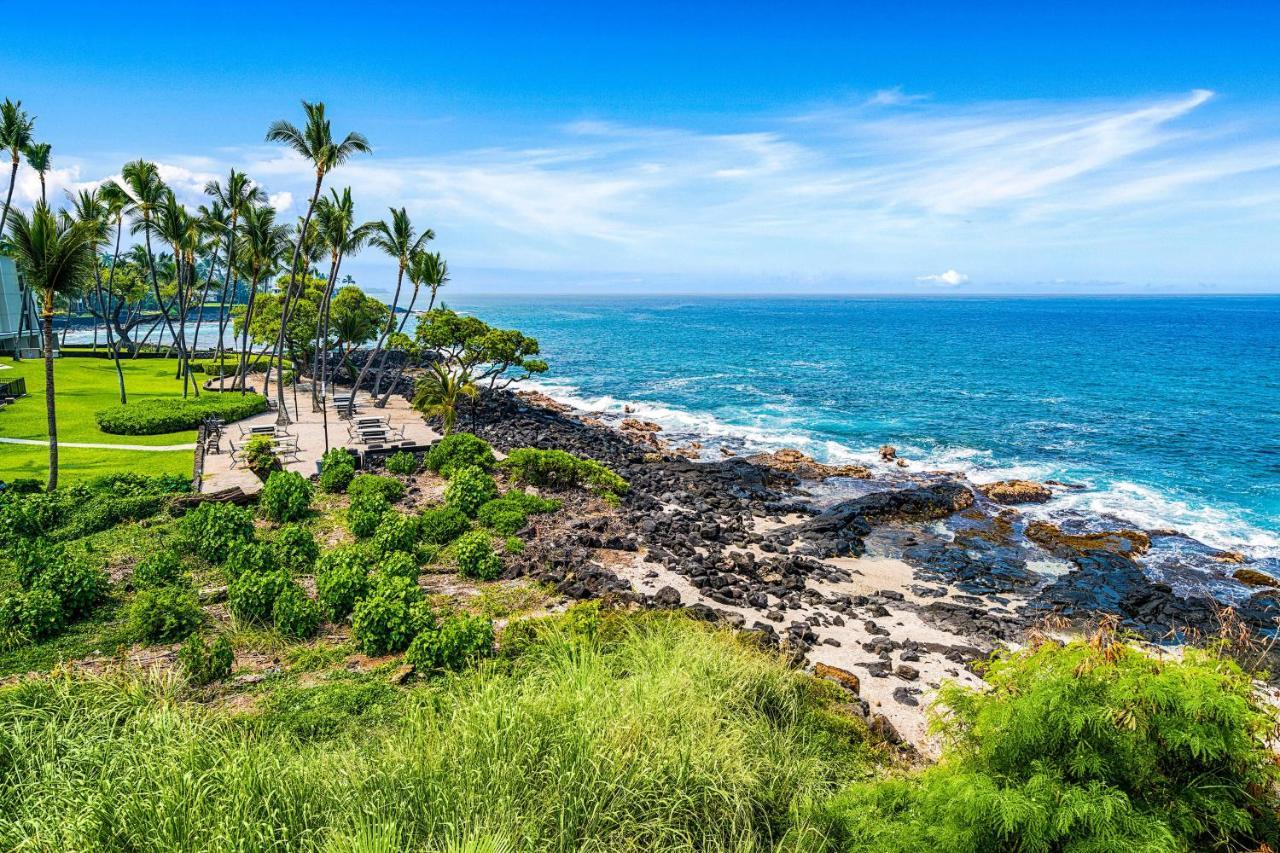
247,558
502,516
396,532
365,513
78,584
34,556
389,488
164,614
294,613
531,504
34,613
390,616
252,596
1091,746
560,470
342,577
476,558
203,663
212,528
296,548
451,642
286,496
153,417
442,525
161,568
102,512
514,545
398,563
131,485
337,468
469,489
260,457
460,450
403,463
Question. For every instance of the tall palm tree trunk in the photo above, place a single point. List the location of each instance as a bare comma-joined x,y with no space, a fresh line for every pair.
391,321
155,289
228,293
242,373
8,199
47,318
107,316
382,403
204,295
282,416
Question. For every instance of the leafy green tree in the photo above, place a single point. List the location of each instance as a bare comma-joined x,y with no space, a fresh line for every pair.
313,142
355,319
55,255
482,351
425,268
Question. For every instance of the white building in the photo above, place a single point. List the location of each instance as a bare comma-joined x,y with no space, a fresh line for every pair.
11,313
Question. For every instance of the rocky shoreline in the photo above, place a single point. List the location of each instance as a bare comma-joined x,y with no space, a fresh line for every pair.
891,591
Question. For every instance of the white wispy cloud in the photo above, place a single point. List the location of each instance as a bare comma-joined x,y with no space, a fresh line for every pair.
1037,190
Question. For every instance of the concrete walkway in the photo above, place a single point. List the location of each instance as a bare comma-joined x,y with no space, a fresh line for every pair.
308,426
45,443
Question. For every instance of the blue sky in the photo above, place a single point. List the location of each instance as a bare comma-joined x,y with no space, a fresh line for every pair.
775,147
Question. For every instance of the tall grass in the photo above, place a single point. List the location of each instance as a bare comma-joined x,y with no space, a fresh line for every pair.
653,733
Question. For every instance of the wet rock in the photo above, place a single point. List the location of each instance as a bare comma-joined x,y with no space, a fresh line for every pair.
805,467
1234,557
1130,543
888,453
1016,492
1253,577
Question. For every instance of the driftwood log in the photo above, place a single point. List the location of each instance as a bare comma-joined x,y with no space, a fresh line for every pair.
233,495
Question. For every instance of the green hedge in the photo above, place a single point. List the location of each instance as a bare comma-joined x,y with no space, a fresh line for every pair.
154,417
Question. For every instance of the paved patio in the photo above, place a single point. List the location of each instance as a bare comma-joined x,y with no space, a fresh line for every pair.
220,472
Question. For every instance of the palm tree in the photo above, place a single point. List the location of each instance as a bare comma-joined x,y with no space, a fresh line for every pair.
40,158
440,391
400,240
212,223
181,231
114,201
55,254
261,245
238,196
147,193
314,143
424,268
15,134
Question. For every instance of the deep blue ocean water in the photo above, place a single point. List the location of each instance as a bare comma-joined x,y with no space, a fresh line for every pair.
1167,409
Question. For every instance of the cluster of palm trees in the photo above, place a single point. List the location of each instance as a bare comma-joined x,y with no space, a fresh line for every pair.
237,232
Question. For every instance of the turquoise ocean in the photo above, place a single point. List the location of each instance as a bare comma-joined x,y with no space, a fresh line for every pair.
1165,410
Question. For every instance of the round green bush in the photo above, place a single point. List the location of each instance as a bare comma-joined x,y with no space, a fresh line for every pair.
212,528
469,489
35,613
164,614
249,558
295,614
78,585
159,569
252,596
451,643
396,532
442,525
203,663
337,467
33,556
390,488
399,563
561,470
296,548
286,496
530,504
460,450
390,616
342,577
365,513
154,417
476,558
403,463
502,516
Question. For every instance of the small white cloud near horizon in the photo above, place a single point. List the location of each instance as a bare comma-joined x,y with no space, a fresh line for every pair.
950,278
892,98
281,201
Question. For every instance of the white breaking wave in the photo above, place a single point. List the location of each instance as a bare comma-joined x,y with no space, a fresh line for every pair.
1135,504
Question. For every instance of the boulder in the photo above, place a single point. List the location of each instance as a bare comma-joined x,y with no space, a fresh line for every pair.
1016,492
1127,543
888,453
792,461
1253,577
843,677
1233,557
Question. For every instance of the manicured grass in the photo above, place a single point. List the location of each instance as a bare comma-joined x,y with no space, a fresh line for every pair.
83,386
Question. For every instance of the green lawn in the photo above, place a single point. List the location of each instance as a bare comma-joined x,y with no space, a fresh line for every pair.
83,386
